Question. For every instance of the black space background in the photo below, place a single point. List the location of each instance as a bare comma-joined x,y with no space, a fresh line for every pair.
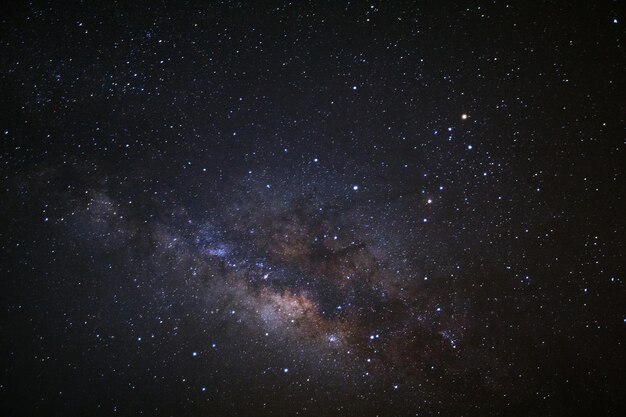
124,122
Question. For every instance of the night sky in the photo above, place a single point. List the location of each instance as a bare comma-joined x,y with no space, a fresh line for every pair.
313,208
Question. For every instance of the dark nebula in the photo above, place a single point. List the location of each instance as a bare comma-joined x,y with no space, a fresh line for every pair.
313,209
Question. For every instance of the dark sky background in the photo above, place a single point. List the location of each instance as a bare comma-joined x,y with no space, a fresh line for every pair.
312,208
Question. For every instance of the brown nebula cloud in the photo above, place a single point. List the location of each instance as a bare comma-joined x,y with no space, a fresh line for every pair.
345,289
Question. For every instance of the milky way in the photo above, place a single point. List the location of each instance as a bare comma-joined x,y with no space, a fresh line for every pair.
225,209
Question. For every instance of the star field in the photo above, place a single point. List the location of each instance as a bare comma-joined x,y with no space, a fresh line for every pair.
312,209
